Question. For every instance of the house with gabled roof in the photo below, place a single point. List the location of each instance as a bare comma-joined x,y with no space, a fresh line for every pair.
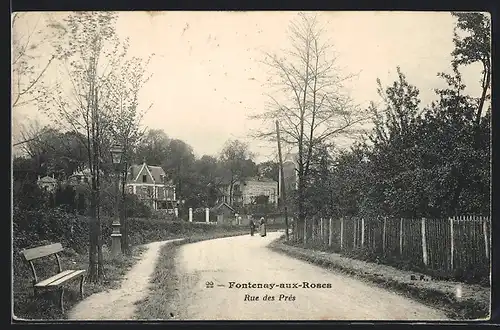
47,183
151,185
225,213
245,192
80,177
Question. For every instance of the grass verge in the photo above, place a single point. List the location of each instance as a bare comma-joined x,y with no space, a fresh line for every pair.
437,294
46,305
165,284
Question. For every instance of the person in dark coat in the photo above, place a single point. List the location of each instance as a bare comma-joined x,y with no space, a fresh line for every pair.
252,227
262,227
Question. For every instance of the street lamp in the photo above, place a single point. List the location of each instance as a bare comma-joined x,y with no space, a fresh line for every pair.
116,157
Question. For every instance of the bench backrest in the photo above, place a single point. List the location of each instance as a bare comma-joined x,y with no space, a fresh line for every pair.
42,251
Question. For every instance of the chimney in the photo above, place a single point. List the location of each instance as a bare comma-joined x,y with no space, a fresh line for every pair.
132,172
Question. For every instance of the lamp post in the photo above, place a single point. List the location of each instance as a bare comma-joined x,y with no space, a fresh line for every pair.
116,246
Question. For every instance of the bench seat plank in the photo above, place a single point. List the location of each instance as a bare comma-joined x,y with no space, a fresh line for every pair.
67,277
64,276
51,279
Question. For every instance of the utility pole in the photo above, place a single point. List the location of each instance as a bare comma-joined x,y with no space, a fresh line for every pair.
282,183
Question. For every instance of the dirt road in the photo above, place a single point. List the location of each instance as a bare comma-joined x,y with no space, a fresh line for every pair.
119,304
231,262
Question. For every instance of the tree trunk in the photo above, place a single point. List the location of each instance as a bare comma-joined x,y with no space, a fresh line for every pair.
231,193
96,161
301,207
486,84
100,259
93,262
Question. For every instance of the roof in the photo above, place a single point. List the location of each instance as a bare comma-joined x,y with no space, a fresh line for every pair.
47,179
291,157
223,204
84,172
226,182
261,179
156,172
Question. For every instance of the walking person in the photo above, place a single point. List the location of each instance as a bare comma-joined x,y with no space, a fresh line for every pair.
252,227
262,227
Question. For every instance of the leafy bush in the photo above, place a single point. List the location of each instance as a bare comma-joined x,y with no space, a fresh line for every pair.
135,208
27,195
55,225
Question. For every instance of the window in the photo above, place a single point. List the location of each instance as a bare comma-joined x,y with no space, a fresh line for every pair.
144,178
130,189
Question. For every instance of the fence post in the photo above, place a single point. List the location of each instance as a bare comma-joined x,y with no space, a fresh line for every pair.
452,244
190,214
424,244
485,234
401,237
207,215
330,232
362,232
383,234
341,233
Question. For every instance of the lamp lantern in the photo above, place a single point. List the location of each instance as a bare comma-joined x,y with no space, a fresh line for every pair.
116,154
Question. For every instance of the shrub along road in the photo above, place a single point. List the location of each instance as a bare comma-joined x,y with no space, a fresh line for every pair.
179,289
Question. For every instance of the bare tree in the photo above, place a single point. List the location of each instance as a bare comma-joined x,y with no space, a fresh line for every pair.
29,132
124,85
27,69
89,55
308,100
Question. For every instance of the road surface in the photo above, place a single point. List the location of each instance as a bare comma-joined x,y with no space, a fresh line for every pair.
119,304
232,262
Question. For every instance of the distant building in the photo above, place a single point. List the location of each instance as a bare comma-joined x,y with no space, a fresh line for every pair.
80,177
47,183
245,192
150,184
226,215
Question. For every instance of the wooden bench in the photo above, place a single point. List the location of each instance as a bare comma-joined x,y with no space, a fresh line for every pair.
54,282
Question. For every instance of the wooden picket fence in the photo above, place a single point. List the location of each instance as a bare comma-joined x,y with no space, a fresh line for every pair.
459,242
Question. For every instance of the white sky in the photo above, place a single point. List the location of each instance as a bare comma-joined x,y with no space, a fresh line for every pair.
207,79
